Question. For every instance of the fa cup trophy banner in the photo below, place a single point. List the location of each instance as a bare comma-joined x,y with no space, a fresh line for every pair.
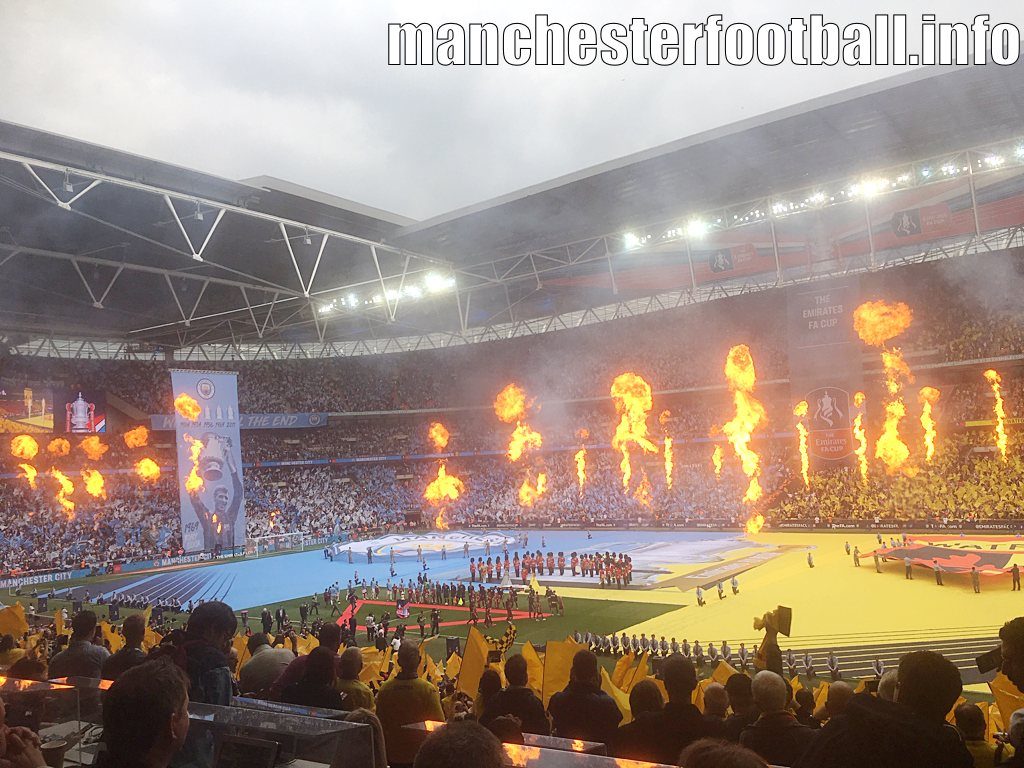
209,460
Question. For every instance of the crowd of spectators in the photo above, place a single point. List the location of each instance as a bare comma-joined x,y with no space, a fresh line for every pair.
910,717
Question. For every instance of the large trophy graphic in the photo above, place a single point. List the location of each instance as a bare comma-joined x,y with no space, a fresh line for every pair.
81,416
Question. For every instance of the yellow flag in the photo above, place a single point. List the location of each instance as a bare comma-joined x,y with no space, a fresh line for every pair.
453,666
534,669
241,646
949,716
618,696
12,621
820,694
698,693
557,663
639,672
1008,698
862,686
111,636
796,684
622,666
723,672
58,622
474,661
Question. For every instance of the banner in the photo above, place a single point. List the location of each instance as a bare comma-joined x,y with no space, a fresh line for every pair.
210,462
165,422
825,366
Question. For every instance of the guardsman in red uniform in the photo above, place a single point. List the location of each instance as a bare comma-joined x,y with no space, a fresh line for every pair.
516,564
551,564
561,563
472,570
574,563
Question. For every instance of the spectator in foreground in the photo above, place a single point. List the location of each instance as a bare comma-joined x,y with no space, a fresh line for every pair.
887,686
911,732
406,698
264,665
775,735
81,658
131,655
518,700
465,744
145,716
744,711
970,721
202,651
488,687
681,722
316,687
838,696
355,695
716,704
712,753
805,709
1011,646
9,652
329,637
582,710
638,739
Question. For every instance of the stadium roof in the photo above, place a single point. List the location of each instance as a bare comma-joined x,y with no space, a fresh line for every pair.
133,254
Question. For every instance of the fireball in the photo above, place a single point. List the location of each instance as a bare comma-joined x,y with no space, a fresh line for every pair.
29,474
64,491
148,470
716,461
633,402
581,468
510,406
739,371
94,483
24,447
439,435
137,438
877,322
755,524
859,435
530,493
187,407
442,489
194,481
928,397
800,410
59,447
995,380
93,448
523,438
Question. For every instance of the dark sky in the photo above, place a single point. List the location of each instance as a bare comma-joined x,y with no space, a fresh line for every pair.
302,90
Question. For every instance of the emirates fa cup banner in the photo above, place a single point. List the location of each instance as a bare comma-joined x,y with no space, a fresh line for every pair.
825,367
209,460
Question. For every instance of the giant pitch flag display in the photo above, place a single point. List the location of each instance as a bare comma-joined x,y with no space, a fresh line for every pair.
209,460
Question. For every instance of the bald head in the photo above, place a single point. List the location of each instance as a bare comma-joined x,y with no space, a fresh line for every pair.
769,692
887,686
839,695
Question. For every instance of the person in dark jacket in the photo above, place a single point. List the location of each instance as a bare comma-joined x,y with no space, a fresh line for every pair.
775,735
910,732
744,711
680,721
132,654
638,739
316,686
518,700
583,710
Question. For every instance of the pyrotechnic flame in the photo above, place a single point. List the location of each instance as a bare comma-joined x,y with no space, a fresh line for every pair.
59,447
928,397
442,489
739,370
194,481
800,410
995,380
187,407
510,405
581,467
94,484
523,438
29,473
65,490
530,493
716,462
148,470
876,322
755,524
890,449
862,441
669,454
439,435
93,448
633,401
137,438
24,447
643,490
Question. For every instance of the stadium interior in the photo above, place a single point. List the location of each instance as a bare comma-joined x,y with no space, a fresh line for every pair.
764,380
